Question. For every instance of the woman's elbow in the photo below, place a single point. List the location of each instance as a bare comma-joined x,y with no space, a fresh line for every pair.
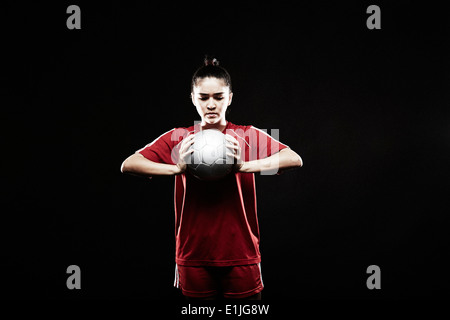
292,159
297,161
125,166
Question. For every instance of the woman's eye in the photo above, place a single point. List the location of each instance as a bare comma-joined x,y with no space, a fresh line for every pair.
207,98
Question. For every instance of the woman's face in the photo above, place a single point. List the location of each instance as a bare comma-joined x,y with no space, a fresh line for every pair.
212,97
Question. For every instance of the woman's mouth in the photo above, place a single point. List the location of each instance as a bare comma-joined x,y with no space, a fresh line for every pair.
212,115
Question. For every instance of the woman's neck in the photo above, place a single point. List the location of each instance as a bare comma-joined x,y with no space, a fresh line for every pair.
219,126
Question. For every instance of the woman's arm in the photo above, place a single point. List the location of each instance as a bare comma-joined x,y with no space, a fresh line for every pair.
285,159
137,164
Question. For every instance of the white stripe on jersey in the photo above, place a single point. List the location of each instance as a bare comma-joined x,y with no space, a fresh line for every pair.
260,274
176,283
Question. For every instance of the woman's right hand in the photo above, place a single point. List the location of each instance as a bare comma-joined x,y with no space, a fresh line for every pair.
184,151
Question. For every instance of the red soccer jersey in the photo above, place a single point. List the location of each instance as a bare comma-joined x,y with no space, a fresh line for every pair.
216,222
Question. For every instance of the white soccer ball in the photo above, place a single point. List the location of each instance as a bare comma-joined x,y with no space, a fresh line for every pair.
210,161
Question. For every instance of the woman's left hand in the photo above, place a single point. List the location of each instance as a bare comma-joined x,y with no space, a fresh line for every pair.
233,145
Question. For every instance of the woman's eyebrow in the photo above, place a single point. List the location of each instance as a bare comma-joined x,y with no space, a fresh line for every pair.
214,94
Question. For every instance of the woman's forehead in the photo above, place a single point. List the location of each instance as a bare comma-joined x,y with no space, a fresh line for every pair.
211,85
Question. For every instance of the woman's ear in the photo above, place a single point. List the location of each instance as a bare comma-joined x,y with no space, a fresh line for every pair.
192,98
231,98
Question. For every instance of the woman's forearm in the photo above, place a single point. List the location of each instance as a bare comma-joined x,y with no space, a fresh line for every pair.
284,159
139,165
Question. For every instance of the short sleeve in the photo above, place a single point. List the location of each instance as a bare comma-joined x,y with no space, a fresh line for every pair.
263,145
161,149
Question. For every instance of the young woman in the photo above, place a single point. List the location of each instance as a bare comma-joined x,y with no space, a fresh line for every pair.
216,225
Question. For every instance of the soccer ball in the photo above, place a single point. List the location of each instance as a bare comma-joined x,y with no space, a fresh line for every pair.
209,161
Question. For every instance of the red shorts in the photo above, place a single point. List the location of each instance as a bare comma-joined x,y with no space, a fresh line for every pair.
235,282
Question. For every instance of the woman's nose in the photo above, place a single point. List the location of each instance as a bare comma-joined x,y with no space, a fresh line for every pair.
211,105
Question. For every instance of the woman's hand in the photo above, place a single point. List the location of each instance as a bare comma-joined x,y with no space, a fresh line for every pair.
184,152
235,148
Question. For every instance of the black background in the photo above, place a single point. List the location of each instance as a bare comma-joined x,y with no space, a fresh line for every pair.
368,111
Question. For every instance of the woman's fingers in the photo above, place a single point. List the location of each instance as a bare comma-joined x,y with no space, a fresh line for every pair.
184,150
233,155
232,146
231,139
232,143
186,143
187,152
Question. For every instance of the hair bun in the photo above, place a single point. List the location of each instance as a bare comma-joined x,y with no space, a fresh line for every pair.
209,61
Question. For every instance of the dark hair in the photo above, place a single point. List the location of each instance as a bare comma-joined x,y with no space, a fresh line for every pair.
211,69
